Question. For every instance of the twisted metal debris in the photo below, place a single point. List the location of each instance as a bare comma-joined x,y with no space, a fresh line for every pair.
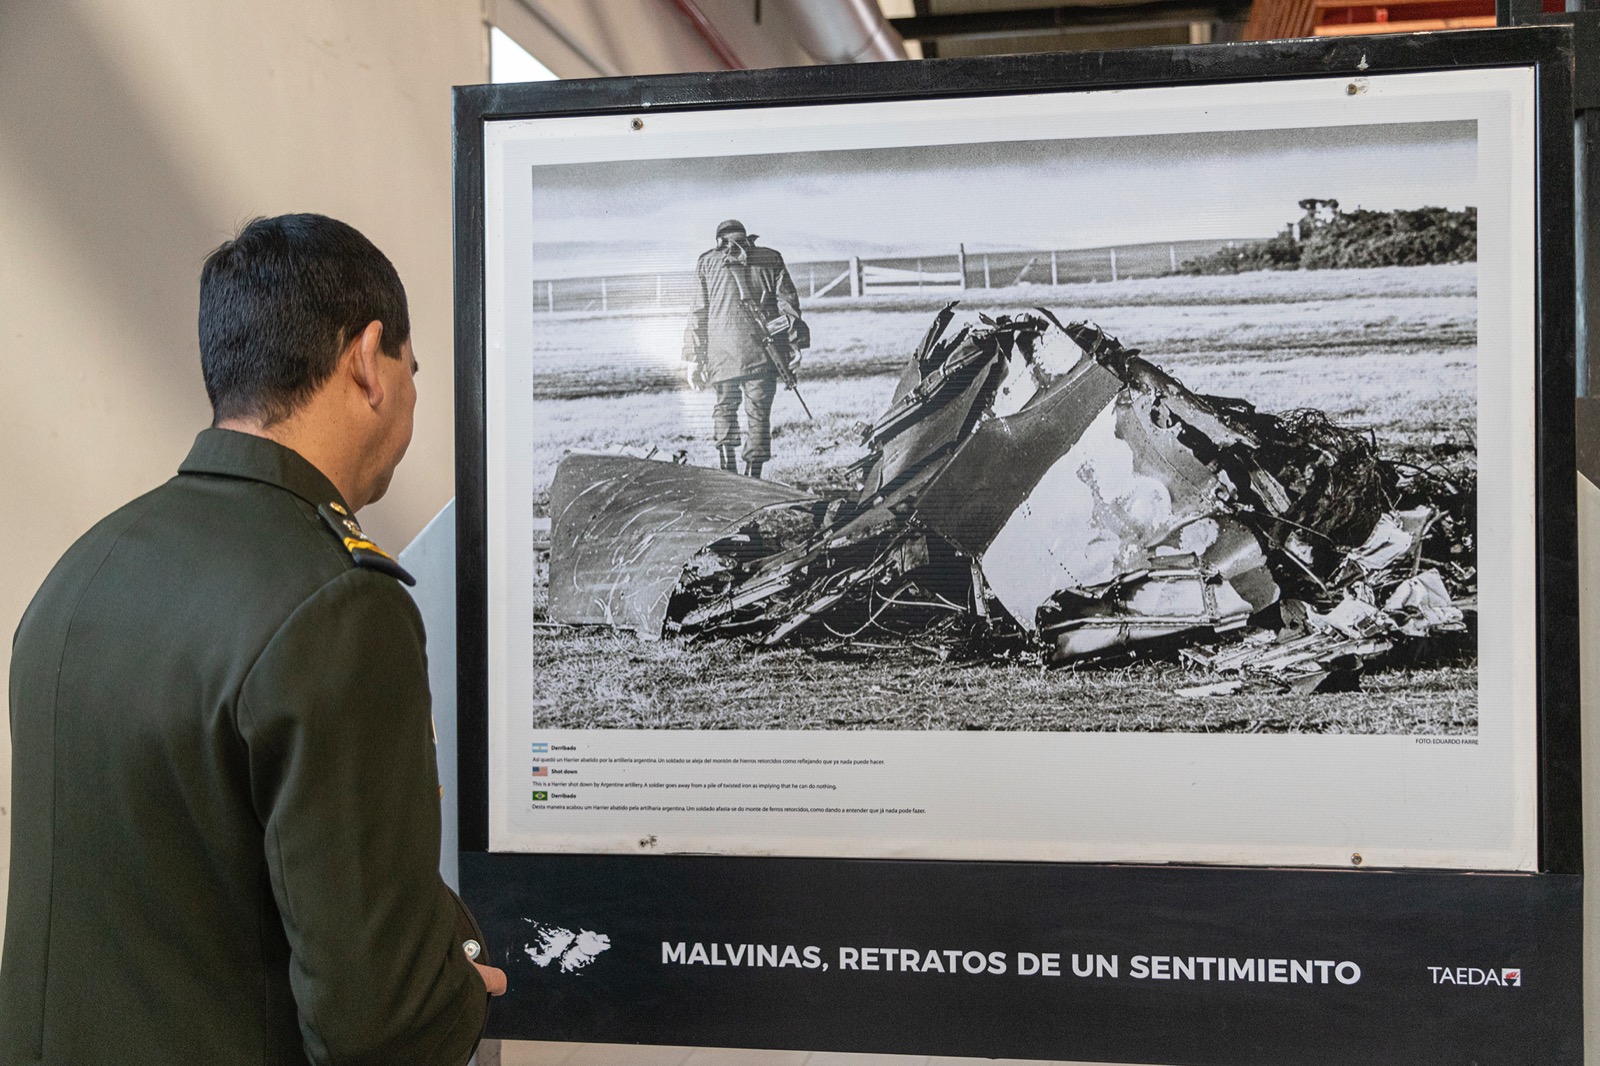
1037,490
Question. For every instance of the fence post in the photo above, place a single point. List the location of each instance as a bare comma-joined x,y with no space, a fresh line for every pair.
986,270
550,297
961,264
1055,274
604,304
855,275
813,279
1113,264
919,273
1172,253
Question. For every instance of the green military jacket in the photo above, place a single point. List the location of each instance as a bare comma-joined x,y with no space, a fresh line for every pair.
225,827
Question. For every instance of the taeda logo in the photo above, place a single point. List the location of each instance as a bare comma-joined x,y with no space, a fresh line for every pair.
1505,977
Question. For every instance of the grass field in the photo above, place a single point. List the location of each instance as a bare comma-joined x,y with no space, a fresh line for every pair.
1393,350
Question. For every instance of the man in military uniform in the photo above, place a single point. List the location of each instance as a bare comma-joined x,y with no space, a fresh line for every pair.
225,833
745,315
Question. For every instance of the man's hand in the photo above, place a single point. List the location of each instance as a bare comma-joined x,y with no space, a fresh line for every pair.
794,360
695,375
493,979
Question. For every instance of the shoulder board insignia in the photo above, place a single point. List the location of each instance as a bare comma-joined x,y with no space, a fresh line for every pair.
362,550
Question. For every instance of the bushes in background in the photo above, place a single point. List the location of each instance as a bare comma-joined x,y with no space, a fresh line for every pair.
1419,237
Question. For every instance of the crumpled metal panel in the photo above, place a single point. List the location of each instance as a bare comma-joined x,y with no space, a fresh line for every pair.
996,469
932,427
1160,604
1116,505
621,530
1089,486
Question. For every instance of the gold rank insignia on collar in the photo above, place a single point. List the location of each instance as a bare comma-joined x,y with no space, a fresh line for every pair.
361,549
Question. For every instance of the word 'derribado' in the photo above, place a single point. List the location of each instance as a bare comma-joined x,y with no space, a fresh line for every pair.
1020,963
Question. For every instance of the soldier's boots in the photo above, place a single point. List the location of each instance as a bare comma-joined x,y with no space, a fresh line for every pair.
730,458
752,467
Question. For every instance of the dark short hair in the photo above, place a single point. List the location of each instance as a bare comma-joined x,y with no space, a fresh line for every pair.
280,302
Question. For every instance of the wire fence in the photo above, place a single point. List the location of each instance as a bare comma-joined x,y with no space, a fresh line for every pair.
856,277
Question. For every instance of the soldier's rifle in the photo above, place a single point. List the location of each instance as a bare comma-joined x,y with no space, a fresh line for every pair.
770,329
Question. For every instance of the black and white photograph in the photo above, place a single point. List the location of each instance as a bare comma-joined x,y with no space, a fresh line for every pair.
1085,476
999,436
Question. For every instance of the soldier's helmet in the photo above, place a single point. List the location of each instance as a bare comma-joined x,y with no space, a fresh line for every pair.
730,228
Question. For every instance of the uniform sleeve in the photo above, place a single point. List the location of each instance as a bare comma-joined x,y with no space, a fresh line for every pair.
694,331
336,713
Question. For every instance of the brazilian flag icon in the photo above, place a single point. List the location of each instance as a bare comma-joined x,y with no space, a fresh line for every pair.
540,797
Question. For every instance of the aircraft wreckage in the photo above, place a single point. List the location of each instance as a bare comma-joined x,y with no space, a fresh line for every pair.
1036,489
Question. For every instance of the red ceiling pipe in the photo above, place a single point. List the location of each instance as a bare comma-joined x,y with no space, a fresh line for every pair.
708,33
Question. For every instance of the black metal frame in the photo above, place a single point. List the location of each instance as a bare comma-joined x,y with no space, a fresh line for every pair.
1548,50
498,879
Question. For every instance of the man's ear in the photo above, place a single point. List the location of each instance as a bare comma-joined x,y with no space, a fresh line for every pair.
361,357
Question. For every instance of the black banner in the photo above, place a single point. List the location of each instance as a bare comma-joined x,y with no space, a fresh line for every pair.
1111,963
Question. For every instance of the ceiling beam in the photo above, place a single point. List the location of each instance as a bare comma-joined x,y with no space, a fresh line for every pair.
1061,19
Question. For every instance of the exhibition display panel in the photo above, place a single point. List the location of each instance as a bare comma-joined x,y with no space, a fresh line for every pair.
1063,556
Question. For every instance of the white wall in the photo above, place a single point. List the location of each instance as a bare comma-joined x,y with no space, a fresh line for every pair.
135,137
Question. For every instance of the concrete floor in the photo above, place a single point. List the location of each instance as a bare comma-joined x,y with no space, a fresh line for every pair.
540,1053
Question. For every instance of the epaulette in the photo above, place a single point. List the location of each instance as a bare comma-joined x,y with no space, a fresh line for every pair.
361,549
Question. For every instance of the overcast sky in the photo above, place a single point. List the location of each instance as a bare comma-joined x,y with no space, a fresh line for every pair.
653,215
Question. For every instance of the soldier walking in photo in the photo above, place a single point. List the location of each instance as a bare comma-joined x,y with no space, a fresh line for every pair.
744,333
